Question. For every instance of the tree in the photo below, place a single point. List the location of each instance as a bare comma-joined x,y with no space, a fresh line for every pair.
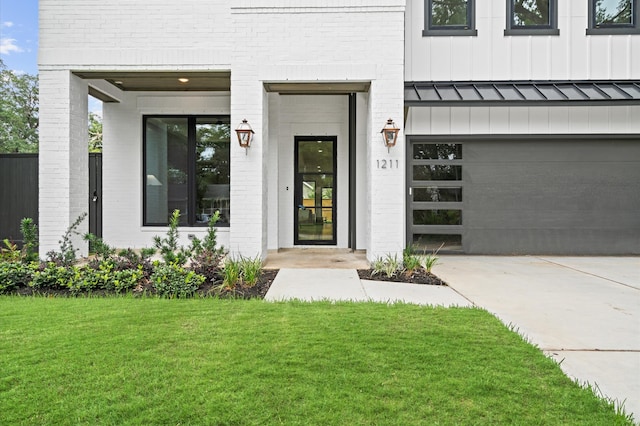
95,133
18,111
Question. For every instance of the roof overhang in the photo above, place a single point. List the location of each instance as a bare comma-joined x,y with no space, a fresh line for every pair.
522,93
200,81
317,88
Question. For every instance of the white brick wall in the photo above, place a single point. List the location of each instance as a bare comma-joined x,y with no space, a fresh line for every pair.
190,34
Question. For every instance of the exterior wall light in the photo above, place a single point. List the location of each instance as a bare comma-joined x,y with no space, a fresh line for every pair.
390,134
245,134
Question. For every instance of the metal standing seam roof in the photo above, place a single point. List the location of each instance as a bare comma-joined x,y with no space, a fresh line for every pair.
522,93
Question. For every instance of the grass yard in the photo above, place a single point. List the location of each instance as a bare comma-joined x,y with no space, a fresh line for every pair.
207,361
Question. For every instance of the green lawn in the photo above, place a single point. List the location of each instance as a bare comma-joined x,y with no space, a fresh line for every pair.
206,361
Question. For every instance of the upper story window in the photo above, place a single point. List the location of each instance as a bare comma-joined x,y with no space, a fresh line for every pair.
613,17
449,18
532,17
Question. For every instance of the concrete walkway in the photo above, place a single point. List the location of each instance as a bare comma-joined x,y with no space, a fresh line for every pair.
582,311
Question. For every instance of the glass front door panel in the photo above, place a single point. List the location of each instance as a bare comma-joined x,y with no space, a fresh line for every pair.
314,186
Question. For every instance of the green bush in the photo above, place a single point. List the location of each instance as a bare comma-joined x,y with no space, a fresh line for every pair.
390,266
14,274
29,232
54,277
171,280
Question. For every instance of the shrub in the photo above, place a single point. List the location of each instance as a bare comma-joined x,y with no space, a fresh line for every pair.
169,249
51,276
67,254
29,232
105,277
171,280
14,274
207,258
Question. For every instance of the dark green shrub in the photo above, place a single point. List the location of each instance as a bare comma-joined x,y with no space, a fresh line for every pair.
14,275
29,232
51,276
171,280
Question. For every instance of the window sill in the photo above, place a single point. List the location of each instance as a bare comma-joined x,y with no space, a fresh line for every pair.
448,33
612,31
532,32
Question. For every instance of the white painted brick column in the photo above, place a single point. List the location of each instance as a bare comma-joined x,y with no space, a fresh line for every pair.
248,230
63,158
386,169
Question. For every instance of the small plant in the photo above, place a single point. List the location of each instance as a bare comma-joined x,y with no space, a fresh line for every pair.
10,252
390,266
67,254
209,244
173,281
230,273
169,249
250,270
101,249
430,260
207,258
410,260
29,232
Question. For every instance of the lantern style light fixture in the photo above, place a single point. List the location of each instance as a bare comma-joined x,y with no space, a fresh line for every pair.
390,134
245,134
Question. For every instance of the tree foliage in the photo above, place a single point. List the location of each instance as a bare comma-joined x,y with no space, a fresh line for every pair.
95,133
18,111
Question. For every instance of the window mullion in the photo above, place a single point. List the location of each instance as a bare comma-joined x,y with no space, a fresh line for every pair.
191,171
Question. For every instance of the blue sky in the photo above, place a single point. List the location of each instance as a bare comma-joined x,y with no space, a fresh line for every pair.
19,35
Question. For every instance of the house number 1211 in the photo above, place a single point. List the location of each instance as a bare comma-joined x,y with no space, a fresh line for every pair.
387,164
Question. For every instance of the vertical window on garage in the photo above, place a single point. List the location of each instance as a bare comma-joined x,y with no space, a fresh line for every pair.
186,167
435,213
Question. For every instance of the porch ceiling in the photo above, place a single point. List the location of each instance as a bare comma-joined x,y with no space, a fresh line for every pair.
207,81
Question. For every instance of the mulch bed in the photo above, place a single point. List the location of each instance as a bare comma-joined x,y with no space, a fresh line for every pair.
258,291
419,276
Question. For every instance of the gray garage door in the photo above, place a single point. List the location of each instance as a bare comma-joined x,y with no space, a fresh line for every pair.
525,196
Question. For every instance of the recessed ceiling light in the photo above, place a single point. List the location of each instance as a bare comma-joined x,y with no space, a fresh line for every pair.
183,80
118,82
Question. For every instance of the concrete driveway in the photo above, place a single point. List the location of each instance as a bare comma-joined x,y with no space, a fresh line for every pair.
582,311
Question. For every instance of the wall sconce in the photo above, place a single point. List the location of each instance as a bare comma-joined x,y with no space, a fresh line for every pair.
390,134
245,134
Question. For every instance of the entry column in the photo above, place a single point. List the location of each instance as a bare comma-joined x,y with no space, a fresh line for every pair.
63,158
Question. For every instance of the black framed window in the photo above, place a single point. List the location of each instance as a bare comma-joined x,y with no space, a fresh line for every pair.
613,17
532,17
449,18
186,167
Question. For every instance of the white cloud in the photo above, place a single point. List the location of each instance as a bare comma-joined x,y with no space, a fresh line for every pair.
8,45
7,24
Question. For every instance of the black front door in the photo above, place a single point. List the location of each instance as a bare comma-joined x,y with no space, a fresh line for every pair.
315,190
